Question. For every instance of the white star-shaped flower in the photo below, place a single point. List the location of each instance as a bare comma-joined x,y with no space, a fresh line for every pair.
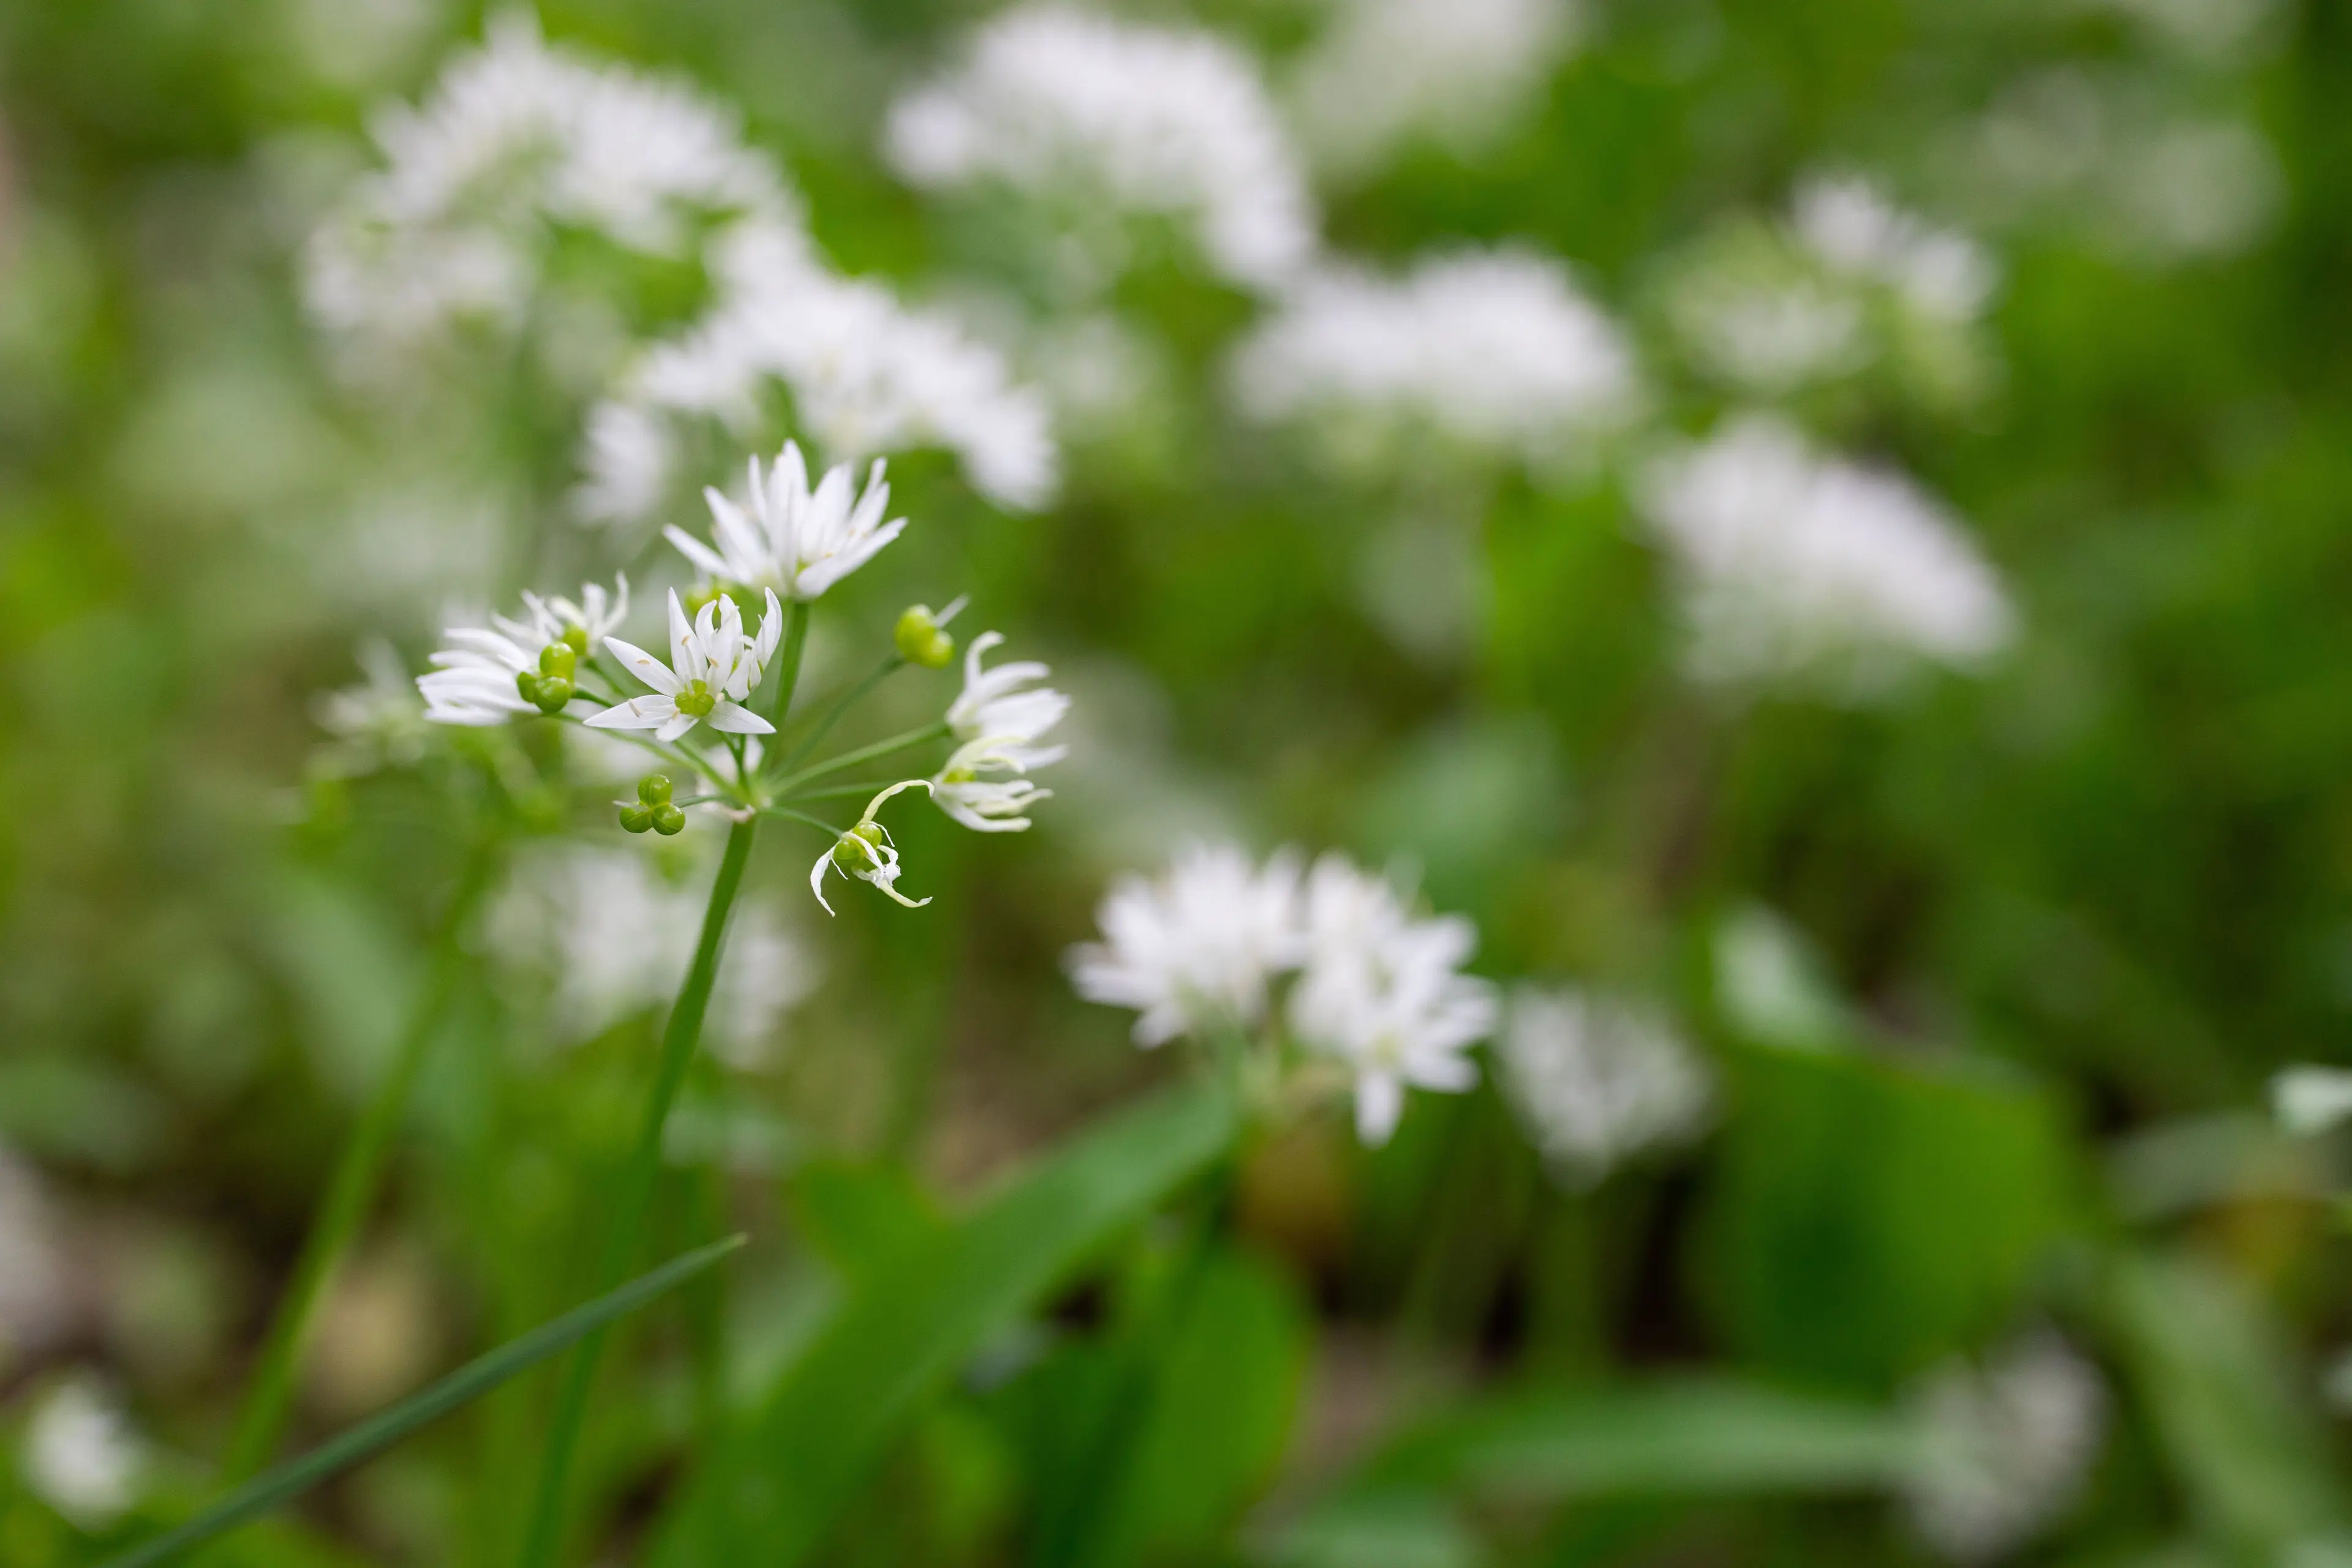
995,708
867,853
795,540
712,668
973,787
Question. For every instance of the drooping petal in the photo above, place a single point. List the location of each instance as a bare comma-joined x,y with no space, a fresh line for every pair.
1380,1105
816,877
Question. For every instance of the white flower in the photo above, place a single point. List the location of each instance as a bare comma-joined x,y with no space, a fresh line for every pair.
867,853
1743,323
1091,113
378,721
1597,1081
81,1456
796,542
2309,1099
1796,568
596,615
1493,351
1382,993
975,788
2006,1448
1459,70
473,683
1000,707
1194,952
713,668
1852,225
35,1286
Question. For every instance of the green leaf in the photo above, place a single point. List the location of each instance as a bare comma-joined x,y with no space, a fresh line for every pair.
476,1377
912,1319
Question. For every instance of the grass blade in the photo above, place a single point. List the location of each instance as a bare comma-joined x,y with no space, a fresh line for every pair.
469,1381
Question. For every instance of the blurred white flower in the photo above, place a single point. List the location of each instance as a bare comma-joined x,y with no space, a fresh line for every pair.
796,542
866,375
513,138
616,938
1194,952
866,852
1003,706
2308,1100
35,1290
377,722
1382,993
2005,1447
81,1456
1496,352
1794,568
1770,985
1850,224
1089,114
1457,70
1597,1081
713,668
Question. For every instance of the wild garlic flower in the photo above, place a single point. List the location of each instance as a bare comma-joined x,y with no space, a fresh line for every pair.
80,1455
2007,1446
982,787
1598,1080
712,668
1794,568
867,853
2310,1099
1003,709
1382,993
1085,113
1495,354
796,542
492,674
1195,952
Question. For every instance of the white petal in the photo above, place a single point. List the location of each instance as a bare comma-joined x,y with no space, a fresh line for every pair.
816,877
644,667
694,550
729,719
638,713
1379,1104
679,725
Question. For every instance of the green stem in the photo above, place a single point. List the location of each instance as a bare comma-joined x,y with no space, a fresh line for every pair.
790,781
870,788
351,1193
788,665
849,701
624,1216
789,815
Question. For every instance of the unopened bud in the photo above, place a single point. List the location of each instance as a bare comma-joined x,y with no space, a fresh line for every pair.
576,639
668,821
553,692
922,641
557,660
654,789
855,851
527,683
637,818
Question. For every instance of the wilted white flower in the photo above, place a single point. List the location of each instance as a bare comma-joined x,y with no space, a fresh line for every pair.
713,668
1456,70
1194,952
1382,993
2308,1100
983,786
617,939
36,1293
1797,568
1089,114
1597,1081
1496,352
866,374
379,720
80,1455
2005,1449
867,853
1002,707
516,137
796,542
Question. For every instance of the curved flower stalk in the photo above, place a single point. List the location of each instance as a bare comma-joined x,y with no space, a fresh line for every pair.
795,540
712,668
1379,994
867,853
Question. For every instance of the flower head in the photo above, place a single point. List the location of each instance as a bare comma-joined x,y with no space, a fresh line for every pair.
867,853
713,668
81,1456
2006,1447
1596,1080
982,787
1003,707
1194,952
795,542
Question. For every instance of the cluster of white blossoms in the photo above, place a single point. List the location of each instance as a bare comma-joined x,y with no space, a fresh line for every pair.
1797,569
1493,351
1850,283
614,938
1378,990
2005,1447
783,541
81,1456
1091,117
1457,71
1597,1081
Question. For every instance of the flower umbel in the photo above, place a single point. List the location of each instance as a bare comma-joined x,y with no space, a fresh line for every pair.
795,540
713,668
1195,951
867,853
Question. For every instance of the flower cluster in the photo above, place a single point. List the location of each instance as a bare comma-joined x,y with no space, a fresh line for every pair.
2006,1447
1091,115
1496,352
1795,568
1597,1081
1378,992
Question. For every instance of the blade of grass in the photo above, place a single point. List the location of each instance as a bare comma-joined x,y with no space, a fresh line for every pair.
476,1377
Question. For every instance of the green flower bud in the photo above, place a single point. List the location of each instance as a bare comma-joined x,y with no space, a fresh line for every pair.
855,851
637,818
527,684
576,639
697,699
654,789
921,640
668,821
553,692
557,660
